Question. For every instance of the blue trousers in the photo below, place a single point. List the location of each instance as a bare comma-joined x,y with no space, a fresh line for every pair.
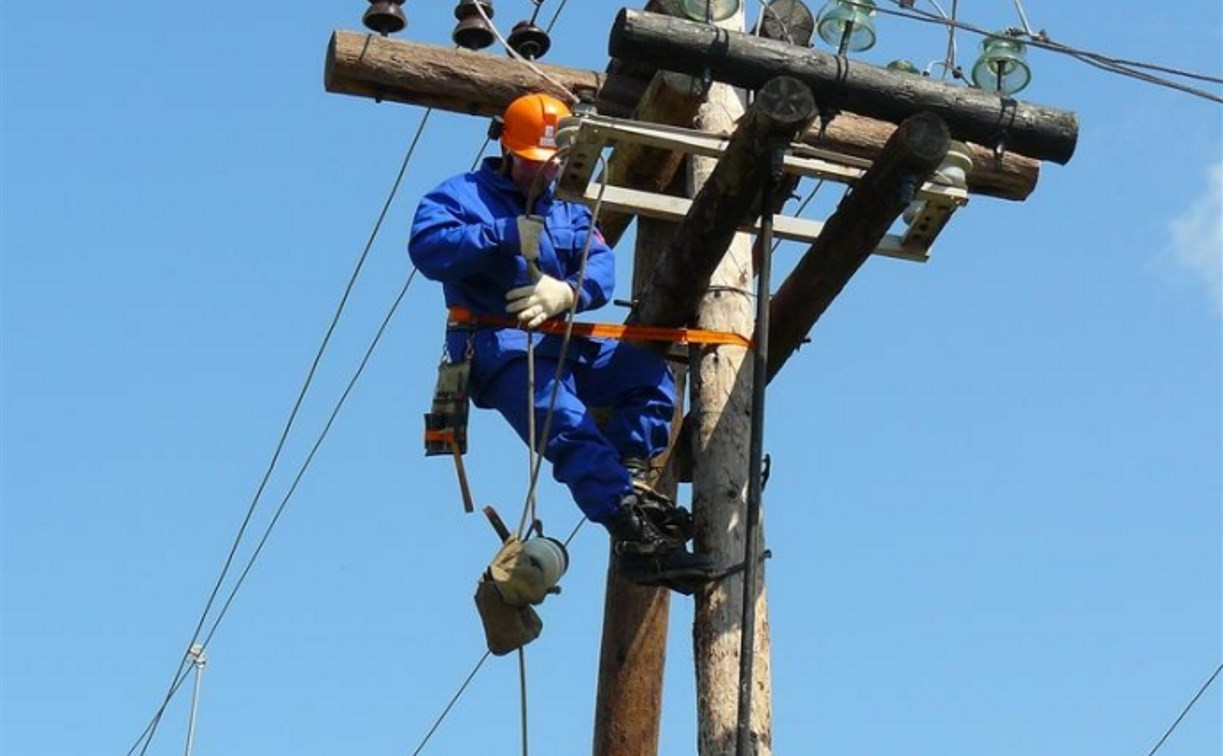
635,384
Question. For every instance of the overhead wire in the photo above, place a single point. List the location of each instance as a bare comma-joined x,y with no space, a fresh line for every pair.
948,64
180,675
313,451
285,501
450,705
555,16
1185,711
1041,40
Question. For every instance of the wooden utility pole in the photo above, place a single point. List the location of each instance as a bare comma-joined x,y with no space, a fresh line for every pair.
633,652
722,393
700,272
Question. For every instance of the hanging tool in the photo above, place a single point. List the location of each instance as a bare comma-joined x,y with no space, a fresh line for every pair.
446,423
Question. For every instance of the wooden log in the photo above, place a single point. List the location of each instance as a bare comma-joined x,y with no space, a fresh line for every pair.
743,60
852,231
461,81
782,109
483,84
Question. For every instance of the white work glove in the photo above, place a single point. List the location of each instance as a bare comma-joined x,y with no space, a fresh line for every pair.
546,298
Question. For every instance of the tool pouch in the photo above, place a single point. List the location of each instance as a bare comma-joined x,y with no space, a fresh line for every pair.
506,627
446,424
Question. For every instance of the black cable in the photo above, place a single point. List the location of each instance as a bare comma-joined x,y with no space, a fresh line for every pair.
453,700
1186,710
555,16
310,457
475,163
802,207
183,673
151,729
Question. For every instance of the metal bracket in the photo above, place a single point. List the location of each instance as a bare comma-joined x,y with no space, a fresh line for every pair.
588,135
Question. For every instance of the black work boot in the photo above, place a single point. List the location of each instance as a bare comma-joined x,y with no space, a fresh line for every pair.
643,476
674,521
645,555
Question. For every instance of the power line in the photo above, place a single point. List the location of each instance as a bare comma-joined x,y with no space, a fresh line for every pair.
1187,708
1042,41
555,16
184,665
310,457
183,673
471,675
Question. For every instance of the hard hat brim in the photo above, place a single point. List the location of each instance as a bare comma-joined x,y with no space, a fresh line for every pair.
533,153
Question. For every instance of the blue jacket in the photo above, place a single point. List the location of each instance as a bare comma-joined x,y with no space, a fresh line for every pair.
465,235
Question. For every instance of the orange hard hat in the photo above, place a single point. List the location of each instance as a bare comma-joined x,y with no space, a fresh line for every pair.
530,126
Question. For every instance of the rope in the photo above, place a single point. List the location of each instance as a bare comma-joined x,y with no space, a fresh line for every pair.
522,692
560,363
514,54
529,514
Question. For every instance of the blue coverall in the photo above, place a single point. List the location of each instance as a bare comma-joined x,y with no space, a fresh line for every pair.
465,235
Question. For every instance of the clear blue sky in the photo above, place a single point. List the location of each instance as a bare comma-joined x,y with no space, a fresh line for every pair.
995,500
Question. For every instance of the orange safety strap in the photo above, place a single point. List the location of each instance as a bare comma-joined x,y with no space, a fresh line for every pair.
464,316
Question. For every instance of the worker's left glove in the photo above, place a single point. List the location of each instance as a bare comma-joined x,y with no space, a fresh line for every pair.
546,298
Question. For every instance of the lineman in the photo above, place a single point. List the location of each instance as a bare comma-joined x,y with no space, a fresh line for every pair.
466,235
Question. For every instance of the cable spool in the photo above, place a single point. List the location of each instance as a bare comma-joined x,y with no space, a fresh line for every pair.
551,558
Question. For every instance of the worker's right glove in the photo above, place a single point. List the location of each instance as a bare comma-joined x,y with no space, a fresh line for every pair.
546,298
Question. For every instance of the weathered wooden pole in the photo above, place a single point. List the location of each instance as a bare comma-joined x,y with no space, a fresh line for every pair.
632,656
461,81
721,391
852,231
748,61
633,653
